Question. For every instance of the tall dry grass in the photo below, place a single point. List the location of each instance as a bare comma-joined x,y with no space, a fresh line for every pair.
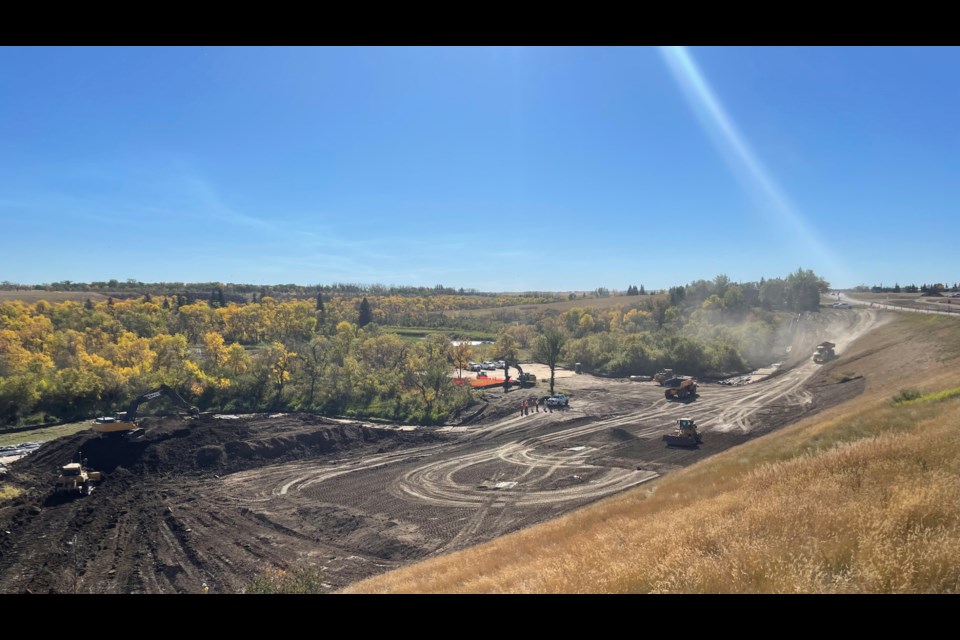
863,499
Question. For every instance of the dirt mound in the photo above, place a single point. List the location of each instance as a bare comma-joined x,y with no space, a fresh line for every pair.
176,445
144,528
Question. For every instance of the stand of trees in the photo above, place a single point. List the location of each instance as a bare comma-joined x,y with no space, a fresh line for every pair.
706,328
70,360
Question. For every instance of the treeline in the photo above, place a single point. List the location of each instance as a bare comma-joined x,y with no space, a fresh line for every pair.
910,288
69,360
244,292
706,328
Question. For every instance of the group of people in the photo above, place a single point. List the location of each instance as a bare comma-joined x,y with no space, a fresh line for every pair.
534,404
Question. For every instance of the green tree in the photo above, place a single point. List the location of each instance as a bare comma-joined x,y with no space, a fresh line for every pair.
366,314
548,347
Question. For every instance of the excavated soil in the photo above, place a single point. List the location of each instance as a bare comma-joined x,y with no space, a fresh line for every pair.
220,502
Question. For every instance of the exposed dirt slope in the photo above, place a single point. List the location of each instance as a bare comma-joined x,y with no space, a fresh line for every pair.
190,503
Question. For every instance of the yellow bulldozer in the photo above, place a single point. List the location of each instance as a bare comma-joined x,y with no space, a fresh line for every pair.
663,375
685,435
76,479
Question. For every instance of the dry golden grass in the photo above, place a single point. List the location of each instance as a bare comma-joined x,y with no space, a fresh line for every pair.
8,493
864,498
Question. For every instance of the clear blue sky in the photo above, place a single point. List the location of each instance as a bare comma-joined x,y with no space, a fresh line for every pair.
492,168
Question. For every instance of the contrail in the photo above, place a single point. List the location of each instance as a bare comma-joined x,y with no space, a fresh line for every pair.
734,146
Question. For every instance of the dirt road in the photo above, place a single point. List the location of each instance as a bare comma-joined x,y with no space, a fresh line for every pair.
355,500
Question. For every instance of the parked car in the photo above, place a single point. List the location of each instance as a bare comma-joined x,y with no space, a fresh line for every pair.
474,366
488,366
558,400
841,305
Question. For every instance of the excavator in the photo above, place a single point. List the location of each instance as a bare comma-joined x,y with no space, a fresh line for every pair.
523,379
127,422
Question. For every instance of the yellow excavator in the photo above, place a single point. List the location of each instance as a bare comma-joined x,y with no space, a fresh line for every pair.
523,379
126,423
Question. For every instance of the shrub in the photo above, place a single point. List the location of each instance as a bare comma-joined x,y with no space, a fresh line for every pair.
905,395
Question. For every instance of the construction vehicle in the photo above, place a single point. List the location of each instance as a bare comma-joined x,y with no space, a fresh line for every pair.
824,352
523,379
687,388
557,400
126,423
663,375
76,479
685,435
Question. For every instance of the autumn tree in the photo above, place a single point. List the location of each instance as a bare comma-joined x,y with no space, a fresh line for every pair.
505,348
461,356
277,363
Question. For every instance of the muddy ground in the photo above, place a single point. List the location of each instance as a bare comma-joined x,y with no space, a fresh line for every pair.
190,502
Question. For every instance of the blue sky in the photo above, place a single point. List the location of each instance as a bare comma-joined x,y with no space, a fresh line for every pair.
497,168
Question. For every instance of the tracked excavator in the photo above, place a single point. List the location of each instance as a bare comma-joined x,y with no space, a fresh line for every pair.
523,379
126,423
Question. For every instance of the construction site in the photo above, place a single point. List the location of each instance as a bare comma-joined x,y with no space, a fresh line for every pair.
195,503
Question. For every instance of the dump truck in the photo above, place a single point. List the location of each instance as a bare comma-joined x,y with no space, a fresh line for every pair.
75,479
686,389
824,352
685,435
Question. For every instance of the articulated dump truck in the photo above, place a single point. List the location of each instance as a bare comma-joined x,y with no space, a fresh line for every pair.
824,352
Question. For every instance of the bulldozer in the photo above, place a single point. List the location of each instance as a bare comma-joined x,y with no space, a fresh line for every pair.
126,423
685,435
824,352
686,389
663,375
76,479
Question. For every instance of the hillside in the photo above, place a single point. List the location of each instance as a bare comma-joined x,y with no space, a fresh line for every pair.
863,497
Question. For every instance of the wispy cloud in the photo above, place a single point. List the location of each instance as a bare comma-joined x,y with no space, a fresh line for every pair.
208,202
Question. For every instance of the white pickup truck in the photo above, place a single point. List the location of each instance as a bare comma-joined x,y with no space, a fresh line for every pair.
558,400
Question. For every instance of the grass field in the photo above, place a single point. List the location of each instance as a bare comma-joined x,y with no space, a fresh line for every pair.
565,305
911,301
862,498
30,297
419,333
42,434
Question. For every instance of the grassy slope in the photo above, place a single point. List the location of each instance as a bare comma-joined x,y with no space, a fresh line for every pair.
42,434
864,497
